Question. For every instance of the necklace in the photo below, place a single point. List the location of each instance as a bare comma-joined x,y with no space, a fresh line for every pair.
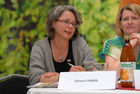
59,57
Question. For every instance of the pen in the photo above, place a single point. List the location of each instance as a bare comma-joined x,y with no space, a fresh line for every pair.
70,64
73,65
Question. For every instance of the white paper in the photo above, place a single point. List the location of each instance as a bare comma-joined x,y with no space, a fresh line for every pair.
87,80
137,79
43,85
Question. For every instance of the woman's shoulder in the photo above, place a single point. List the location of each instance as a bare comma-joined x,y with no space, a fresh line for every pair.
79,41
112,47
115,41
42,42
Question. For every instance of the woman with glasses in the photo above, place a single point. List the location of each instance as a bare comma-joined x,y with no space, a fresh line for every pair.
63,50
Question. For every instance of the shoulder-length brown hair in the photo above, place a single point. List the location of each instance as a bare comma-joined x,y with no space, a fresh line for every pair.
131,7
56,12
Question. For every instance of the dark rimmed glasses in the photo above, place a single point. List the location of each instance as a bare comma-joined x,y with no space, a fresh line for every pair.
66,22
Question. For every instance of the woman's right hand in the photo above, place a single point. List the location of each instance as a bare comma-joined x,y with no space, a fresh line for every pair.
76,68
49,77
135,39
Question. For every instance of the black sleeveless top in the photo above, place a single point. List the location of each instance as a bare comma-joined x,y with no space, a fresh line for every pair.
63,66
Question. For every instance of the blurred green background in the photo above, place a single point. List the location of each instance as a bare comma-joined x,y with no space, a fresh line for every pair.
22,22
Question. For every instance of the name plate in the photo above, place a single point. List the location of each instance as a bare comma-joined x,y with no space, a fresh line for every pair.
136,79
87,80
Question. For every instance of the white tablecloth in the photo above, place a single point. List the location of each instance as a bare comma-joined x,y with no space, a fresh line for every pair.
58,91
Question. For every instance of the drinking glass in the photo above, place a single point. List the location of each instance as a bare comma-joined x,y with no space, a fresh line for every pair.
100,67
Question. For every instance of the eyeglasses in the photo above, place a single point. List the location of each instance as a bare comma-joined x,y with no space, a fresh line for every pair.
66,22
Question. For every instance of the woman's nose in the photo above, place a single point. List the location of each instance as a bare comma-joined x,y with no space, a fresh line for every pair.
130,21
70,25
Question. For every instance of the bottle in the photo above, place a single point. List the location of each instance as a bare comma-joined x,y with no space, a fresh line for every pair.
127,64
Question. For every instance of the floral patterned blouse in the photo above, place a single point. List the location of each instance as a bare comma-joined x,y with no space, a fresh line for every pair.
113,47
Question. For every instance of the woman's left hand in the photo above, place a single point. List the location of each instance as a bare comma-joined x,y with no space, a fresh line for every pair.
135,37
49,77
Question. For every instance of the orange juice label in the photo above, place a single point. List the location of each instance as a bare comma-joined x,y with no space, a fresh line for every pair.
127,71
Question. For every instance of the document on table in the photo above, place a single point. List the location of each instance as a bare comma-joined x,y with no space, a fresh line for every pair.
44,85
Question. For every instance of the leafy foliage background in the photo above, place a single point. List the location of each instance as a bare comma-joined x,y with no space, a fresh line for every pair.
22,22
99,18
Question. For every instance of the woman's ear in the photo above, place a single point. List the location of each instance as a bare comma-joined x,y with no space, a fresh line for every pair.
53,24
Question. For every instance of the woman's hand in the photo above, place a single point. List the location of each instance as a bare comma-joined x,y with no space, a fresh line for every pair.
135,39
50,74
113,64
76,68
49,77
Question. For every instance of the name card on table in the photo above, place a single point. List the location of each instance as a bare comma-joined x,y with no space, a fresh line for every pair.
87,80
137,79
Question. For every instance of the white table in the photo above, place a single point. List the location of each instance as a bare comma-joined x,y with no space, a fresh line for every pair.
58,91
